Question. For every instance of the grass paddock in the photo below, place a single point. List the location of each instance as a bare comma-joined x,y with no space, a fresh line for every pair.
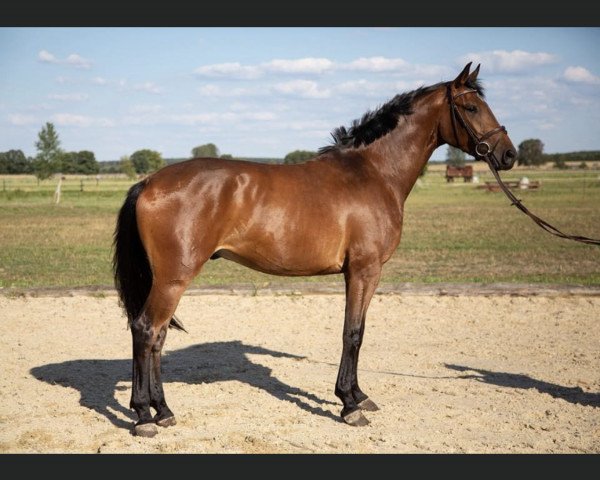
453,232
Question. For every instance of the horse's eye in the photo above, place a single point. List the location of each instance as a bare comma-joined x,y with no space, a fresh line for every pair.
471,108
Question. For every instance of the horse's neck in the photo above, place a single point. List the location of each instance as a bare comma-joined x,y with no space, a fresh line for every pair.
402,154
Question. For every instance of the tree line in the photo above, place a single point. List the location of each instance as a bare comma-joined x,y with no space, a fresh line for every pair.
531,153
51,159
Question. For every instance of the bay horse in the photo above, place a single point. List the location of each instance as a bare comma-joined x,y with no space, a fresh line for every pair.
340,212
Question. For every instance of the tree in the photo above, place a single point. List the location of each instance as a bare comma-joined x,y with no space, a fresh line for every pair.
127,166
227,156
87,163
68,162
146,161
531,152
42,169
560,164
455,157
298,156
14,161
48,158
207,150
78,162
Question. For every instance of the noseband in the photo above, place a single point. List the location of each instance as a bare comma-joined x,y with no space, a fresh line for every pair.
485,152
482,148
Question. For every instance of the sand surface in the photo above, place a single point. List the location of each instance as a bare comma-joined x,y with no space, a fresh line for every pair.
256,374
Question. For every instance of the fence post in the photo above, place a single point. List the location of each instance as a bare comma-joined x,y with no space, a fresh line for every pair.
57,191
82,184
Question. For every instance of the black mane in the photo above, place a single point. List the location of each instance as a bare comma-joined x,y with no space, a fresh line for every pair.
375,124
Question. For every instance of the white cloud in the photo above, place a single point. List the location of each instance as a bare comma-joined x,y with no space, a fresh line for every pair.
37,107
318,65
148,87
304,125
301,65
73,120
212,90
74,59
302,88
260,116
248,72
581,75
122,84
46,56
194,119
377,64
68,97
143,109
362,86
397,66
239,106
20,120
78,61
62,80
503,61
231,70
546,125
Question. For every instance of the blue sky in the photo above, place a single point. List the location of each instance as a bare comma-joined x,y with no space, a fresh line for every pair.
263,92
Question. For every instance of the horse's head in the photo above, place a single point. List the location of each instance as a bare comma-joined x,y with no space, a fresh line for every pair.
470,124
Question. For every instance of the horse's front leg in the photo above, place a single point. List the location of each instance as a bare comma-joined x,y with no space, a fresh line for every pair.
361,281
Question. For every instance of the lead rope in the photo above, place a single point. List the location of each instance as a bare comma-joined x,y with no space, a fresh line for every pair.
542,223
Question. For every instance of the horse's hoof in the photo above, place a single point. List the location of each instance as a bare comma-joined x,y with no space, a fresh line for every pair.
166,422
368,405
147,430
356,419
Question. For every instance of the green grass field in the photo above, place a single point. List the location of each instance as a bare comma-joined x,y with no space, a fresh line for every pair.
452,233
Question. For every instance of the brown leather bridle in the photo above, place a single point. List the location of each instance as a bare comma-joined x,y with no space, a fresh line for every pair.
482,148
485,152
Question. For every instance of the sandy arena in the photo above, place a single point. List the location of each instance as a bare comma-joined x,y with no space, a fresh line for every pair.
471,373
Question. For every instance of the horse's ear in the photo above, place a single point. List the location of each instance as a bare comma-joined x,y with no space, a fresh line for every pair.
462,76
473,76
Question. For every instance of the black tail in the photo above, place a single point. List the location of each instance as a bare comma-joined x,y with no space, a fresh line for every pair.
132,273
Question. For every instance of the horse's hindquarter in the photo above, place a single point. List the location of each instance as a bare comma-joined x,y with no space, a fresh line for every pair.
282,220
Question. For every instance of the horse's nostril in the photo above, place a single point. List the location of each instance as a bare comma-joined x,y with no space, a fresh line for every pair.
510,154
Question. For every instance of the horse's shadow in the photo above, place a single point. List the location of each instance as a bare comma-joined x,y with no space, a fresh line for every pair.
574,395
97,380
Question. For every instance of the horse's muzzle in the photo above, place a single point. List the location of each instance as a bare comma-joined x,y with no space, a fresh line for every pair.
508,159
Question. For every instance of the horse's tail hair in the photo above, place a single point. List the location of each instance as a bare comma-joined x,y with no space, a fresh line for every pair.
131,268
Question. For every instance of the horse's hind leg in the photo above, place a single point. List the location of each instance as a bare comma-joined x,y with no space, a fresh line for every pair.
361,282
164,416
149,333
